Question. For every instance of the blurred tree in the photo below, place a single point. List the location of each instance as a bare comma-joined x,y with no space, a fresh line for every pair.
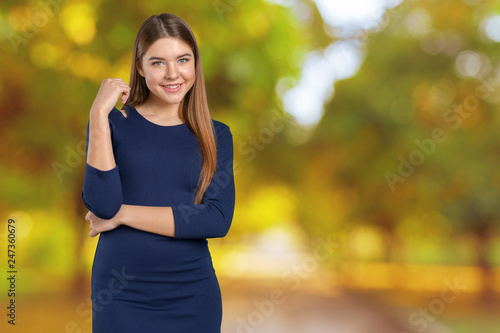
54,60
414,130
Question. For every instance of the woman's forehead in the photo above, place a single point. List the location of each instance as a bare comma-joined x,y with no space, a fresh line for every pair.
168,47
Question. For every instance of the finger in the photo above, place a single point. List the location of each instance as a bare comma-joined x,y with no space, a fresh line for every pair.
125,95
89,216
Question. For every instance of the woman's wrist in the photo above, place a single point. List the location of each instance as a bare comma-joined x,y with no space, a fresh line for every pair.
120,217
99,118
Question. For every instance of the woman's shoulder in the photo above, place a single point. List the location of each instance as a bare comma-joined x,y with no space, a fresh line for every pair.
222,131
117,116
220,127
119,113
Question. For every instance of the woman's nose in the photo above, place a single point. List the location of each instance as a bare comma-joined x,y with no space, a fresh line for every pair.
172,71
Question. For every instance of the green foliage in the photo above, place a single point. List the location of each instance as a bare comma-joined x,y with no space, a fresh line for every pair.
356,169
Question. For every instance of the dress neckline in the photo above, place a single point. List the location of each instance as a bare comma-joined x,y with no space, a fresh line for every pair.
134,110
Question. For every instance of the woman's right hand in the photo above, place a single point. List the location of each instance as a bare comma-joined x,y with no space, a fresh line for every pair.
108,94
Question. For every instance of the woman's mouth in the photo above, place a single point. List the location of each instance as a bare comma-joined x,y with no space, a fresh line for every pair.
173,87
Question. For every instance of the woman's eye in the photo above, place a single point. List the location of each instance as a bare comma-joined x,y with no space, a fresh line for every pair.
159,63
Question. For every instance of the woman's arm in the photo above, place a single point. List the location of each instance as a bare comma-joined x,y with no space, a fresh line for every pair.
99,146
213,217
158,220
99,149
102,192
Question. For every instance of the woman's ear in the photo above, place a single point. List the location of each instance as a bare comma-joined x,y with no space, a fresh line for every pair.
139,68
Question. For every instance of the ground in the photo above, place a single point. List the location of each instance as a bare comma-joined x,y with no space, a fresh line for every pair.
268,306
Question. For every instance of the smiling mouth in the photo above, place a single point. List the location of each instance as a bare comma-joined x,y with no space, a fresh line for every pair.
172,86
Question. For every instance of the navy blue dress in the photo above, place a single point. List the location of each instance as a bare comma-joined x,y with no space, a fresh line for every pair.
146,282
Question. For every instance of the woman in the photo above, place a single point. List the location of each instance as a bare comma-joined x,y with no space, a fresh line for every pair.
158,182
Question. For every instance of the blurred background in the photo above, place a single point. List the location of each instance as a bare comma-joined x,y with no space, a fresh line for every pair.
365,158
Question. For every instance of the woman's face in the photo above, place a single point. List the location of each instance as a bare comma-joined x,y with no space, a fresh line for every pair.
169,61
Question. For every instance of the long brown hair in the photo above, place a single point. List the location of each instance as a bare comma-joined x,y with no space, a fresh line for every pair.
194,106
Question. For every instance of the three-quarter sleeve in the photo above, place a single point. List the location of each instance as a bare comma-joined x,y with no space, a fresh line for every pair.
213,217
102,190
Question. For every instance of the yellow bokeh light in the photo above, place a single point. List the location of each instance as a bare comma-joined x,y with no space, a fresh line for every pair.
78,21
269,206
257,24
22,225
44,55
87,65
17,18
366,242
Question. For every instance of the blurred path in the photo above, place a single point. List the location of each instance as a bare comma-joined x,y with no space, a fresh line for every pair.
249,309
268,307
310,313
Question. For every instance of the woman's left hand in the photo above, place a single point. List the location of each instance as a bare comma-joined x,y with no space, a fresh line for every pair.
98,225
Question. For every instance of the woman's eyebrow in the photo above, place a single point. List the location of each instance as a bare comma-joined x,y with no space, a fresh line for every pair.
160,58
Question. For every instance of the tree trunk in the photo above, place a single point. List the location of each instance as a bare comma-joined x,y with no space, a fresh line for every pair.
483,237
394,255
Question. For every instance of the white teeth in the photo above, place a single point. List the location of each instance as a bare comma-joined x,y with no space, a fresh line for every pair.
173,87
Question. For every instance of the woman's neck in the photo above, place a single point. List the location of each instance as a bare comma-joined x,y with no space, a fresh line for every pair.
160,110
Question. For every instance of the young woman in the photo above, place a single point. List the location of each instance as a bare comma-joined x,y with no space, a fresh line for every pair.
158,182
